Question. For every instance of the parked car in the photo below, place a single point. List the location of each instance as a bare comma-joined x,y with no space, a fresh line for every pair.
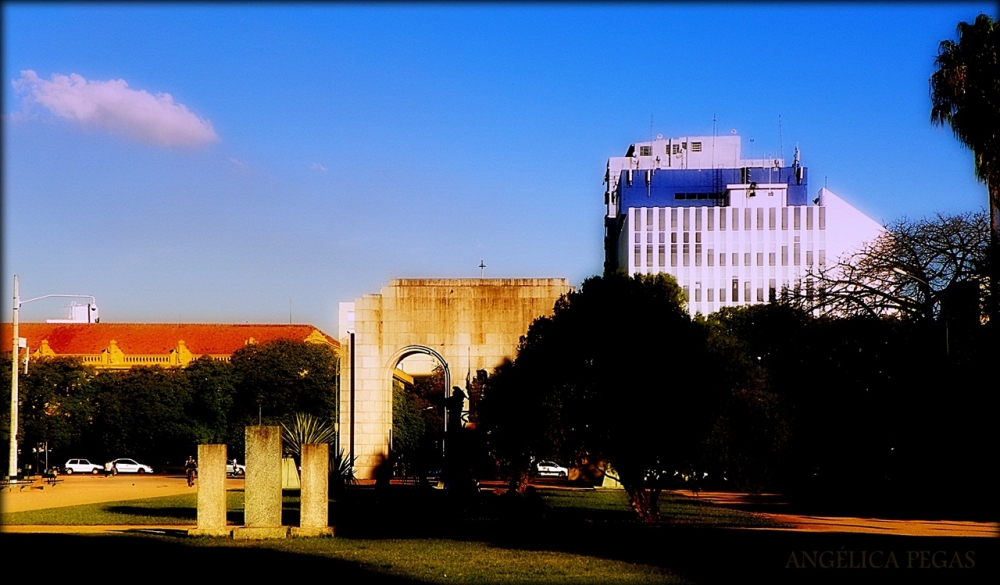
551,469
81,466
237,471
124,465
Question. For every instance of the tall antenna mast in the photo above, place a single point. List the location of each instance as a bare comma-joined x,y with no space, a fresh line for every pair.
781,146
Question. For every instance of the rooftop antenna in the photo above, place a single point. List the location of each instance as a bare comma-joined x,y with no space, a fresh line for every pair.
482,267
781,146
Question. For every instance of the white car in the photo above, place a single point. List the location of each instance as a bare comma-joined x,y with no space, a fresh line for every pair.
551,469
237,471
81,466
124,465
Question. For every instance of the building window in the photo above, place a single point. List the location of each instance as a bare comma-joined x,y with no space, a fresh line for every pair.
677,148
661,237
809,218
673,254
722,295
760,295
746,259
722,220
673,219
697,294
697,219
797,253
697,254
771,218
809,290
736,290
770,259
687,254
695,147
711,295
722,259
784,218
687,219
645,150
673,238
822,218
638,257
772,294
649,256
760,218
710,257
662,255
736,220
649,237
746,291
662,213
797,218
736,259
687,292
649,220
746,220
822,257
760,258
809,257
711,218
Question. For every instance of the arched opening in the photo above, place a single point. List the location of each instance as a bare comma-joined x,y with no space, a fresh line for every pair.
420,385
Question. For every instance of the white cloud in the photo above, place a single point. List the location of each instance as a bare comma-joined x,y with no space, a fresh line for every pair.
113,106
239,165
318,167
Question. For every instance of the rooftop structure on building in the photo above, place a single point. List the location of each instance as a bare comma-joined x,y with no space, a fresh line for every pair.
731,230
119,346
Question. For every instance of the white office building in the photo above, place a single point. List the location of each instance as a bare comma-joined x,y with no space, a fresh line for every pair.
732,231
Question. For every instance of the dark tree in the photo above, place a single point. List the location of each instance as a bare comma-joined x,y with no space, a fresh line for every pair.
141,413
280,378
915,269
965,94
610,376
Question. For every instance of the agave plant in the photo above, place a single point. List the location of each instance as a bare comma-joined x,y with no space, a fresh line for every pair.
342,470
306,429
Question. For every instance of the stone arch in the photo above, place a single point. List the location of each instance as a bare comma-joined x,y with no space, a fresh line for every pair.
404,353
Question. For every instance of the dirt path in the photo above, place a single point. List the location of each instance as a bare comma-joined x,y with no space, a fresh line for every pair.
803,523
93,489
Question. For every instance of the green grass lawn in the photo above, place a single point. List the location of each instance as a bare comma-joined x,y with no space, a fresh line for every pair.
560,536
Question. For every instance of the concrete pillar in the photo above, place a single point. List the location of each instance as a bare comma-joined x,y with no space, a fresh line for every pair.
211,491
262,497
314,503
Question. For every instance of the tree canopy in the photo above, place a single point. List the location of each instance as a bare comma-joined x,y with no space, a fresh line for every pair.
915,269
965,95
611,376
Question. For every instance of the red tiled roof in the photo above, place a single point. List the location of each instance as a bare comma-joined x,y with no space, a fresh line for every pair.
151,338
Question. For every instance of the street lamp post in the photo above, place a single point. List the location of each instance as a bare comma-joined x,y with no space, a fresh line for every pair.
15,350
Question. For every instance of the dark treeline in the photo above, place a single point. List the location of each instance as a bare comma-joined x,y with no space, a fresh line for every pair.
159,415
766,398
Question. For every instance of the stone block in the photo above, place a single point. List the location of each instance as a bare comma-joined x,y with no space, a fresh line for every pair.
263,478
212,488
315,486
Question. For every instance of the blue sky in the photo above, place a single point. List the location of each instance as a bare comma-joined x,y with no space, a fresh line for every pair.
306,154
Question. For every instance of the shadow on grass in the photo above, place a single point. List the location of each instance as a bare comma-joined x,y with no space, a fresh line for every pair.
181,513
214,560
700,541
